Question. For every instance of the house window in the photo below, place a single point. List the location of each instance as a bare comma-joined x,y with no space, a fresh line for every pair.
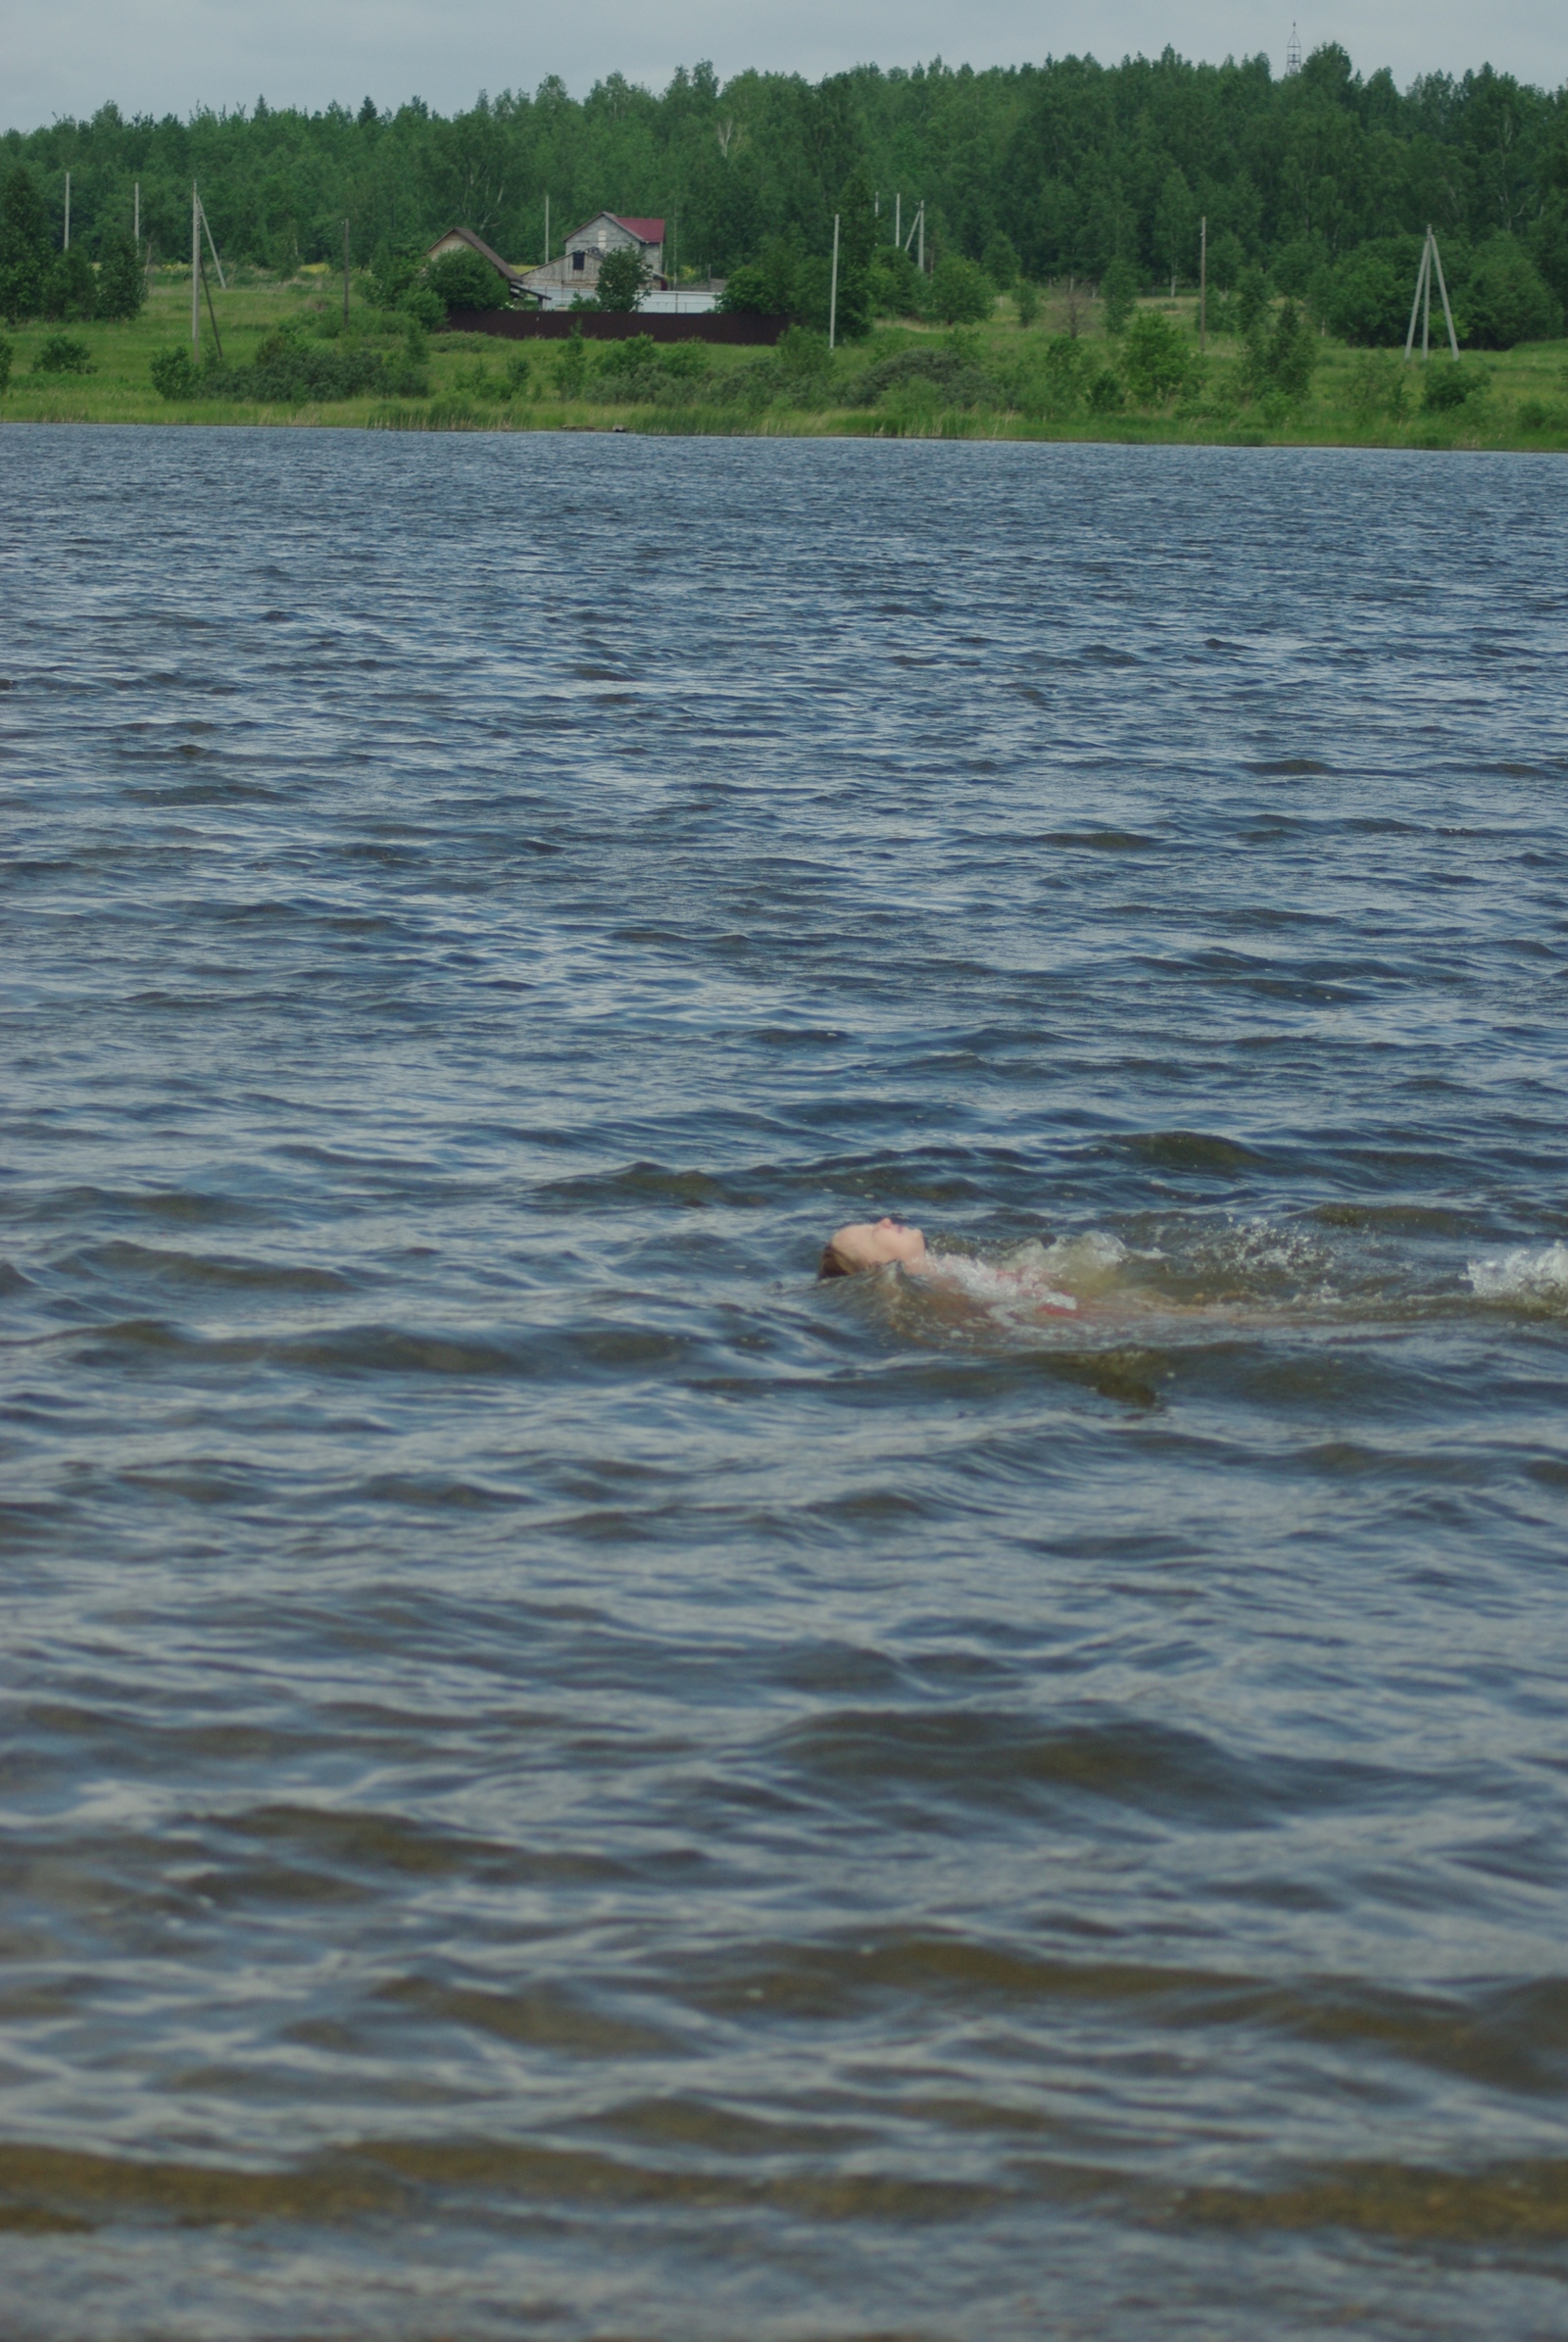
578,259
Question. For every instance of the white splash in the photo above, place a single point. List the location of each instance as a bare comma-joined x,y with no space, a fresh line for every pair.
1522,1276
1034,1276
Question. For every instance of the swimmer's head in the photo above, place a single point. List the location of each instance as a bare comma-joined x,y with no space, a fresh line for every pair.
871,1245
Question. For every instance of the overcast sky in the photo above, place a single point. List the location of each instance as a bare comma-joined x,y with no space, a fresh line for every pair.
169,56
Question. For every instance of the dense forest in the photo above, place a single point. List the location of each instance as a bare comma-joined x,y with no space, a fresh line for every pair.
1069,166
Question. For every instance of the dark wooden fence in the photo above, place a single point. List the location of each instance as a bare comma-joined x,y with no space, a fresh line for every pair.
616,325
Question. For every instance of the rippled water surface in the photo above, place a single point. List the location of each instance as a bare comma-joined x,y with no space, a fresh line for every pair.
564,1778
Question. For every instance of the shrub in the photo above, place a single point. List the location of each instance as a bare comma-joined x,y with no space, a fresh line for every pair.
683,361
122,278
805,360
1507,300
60,355
1251,299
25,249
999,261
394,271
1118,294
960,293
1155,358
623,277
1377,385
520,373
424,306
463,281
949,376
6,356
765,287
571,368
1448,385
897,288
174,374
70,289
1026,300
1105,394
1281,359
1367,298
627,370
1051,384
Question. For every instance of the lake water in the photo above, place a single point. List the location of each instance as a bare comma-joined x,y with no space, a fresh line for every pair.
565,1779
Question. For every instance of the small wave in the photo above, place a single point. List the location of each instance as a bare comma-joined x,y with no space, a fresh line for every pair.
1523,1276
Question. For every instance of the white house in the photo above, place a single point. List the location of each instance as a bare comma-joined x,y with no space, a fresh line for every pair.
575,272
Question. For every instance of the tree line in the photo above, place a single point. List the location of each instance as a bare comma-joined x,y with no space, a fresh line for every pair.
1066,169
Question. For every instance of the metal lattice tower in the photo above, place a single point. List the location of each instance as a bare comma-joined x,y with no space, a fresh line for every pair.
1292,55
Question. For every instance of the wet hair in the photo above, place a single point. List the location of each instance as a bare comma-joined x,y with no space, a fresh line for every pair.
830,1265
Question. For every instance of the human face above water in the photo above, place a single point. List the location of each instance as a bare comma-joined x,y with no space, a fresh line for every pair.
872,1243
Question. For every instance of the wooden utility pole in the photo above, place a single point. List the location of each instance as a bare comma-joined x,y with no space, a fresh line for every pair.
136,232
897,222
195,277
68,211
1203,282
833,290
546,231
920,231
345,277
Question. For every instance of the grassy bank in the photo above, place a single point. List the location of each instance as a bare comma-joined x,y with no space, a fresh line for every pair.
986,385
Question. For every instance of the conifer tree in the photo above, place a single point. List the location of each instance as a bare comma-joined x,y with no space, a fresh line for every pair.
25,253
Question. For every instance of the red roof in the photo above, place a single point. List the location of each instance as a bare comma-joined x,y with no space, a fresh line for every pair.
646,231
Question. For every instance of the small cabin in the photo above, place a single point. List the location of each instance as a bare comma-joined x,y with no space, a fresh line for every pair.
464,239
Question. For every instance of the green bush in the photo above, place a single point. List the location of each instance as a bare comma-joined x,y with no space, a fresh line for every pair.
623,277
1252,303
175,375
683,361
1026,300
1049,381
948,375
60,355
895,285
425,307
1282,357
70,289
1156,361
394,272
999,261
627,370
1378,385
571,368
6,356
1368,296
463,281
1105,394
1507,301
25,249
1448,385
122,278
1118,295
764,287
962,294
290,369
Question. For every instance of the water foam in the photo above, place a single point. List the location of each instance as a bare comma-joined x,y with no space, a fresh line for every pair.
1035,1276
1523,1276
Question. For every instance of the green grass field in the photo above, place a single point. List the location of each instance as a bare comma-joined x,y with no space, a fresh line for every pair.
1357,399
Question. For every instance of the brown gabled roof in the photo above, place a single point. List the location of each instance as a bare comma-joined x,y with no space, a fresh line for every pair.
486,252
646,231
